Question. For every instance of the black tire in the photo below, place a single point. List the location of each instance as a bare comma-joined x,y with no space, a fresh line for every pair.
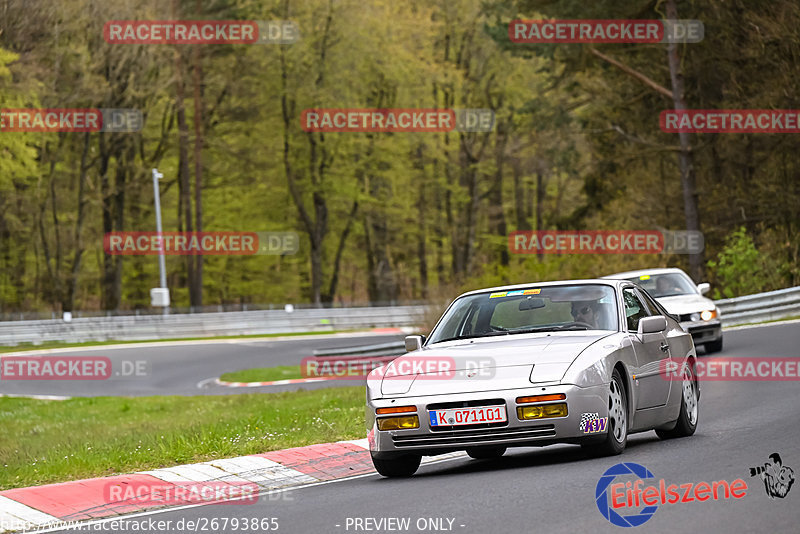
485,453
399,466
687,422
612,444
713,346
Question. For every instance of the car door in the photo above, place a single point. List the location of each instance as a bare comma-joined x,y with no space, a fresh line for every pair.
651,350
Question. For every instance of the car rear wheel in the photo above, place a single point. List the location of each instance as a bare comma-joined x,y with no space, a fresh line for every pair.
617,437
687,420
484,453
399,466
714,346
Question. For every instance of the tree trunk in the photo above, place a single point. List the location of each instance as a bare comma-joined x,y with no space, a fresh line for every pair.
69,301
196,287
184,185
685,157
497,220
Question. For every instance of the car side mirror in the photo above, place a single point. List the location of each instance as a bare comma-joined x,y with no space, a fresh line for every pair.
414,343
704,288
652,325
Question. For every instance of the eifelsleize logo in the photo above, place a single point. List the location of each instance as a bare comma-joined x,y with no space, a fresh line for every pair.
777,478
606,505
632,494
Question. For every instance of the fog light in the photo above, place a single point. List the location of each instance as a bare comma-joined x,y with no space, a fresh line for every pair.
542,412
707,315
398,423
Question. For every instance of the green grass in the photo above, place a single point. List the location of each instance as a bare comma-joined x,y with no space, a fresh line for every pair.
59,345
263,374
54,441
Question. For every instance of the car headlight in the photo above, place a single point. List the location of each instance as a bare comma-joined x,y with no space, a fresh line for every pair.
707,315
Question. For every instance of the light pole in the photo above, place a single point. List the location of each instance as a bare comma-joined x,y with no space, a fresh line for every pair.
159,296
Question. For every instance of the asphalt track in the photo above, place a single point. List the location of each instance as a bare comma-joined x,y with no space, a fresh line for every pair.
188,368
552,489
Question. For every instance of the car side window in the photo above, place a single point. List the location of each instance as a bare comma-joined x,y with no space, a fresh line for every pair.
650,303
634,309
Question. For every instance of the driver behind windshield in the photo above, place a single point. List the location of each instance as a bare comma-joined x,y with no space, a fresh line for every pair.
589,313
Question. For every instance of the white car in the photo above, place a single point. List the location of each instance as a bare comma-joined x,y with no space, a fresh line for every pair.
676,291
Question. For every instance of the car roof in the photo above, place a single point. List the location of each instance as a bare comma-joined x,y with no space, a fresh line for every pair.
635,274
529,285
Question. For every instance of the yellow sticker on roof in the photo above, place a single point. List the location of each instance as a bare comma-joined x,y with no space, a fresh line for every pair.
496,295
644,277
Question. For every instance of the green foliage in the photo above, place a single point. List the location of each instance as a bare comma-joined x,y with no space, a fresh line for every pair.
408,216
741,269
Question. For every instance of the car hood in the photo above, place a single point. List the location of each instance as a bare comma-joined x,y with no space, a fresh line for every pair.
486,364
683,304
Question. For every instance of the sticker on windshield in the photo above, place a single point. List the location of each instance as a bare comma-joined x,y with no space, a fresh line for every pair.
515,293
644,277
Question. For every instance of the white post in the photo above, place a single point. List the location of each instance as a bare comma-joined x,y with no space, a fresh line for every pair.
163,299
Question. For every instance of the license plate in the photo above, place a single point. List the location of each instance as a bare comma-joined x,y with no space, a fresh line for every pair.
468,416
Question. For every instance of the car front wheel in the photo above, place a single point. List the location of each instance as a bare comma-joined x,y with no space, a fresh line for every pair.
399,466
617,436
687,420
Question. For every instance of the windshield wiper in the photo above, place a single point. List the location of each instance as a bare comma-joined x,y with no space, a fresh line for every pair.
534,329
473,336
562,328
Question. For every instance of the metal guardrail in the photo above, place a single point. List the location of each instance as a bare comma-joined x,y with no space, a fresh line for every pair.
748,309
394,348
761,307
149,327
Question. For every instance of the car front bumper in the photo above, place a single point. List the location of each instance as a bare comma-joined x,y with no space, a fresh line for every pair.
703,331
582,404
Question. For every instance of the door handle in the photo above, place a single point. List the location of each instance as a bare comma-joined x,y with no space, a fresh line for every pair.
664,347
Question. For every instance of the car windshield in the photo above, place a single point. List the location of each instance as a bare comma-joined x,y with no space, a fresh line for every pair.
545,309
666,285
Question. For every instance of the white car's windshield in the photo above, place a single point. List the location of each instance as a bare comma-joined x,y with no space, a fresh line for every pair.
666,285
554,308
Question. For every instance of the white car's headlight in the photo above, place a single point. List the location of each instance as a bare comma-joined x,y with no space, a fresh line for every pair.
707,315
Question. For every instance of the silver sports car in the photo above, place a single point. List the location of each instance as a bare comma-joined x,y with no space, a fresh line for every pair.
585,362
